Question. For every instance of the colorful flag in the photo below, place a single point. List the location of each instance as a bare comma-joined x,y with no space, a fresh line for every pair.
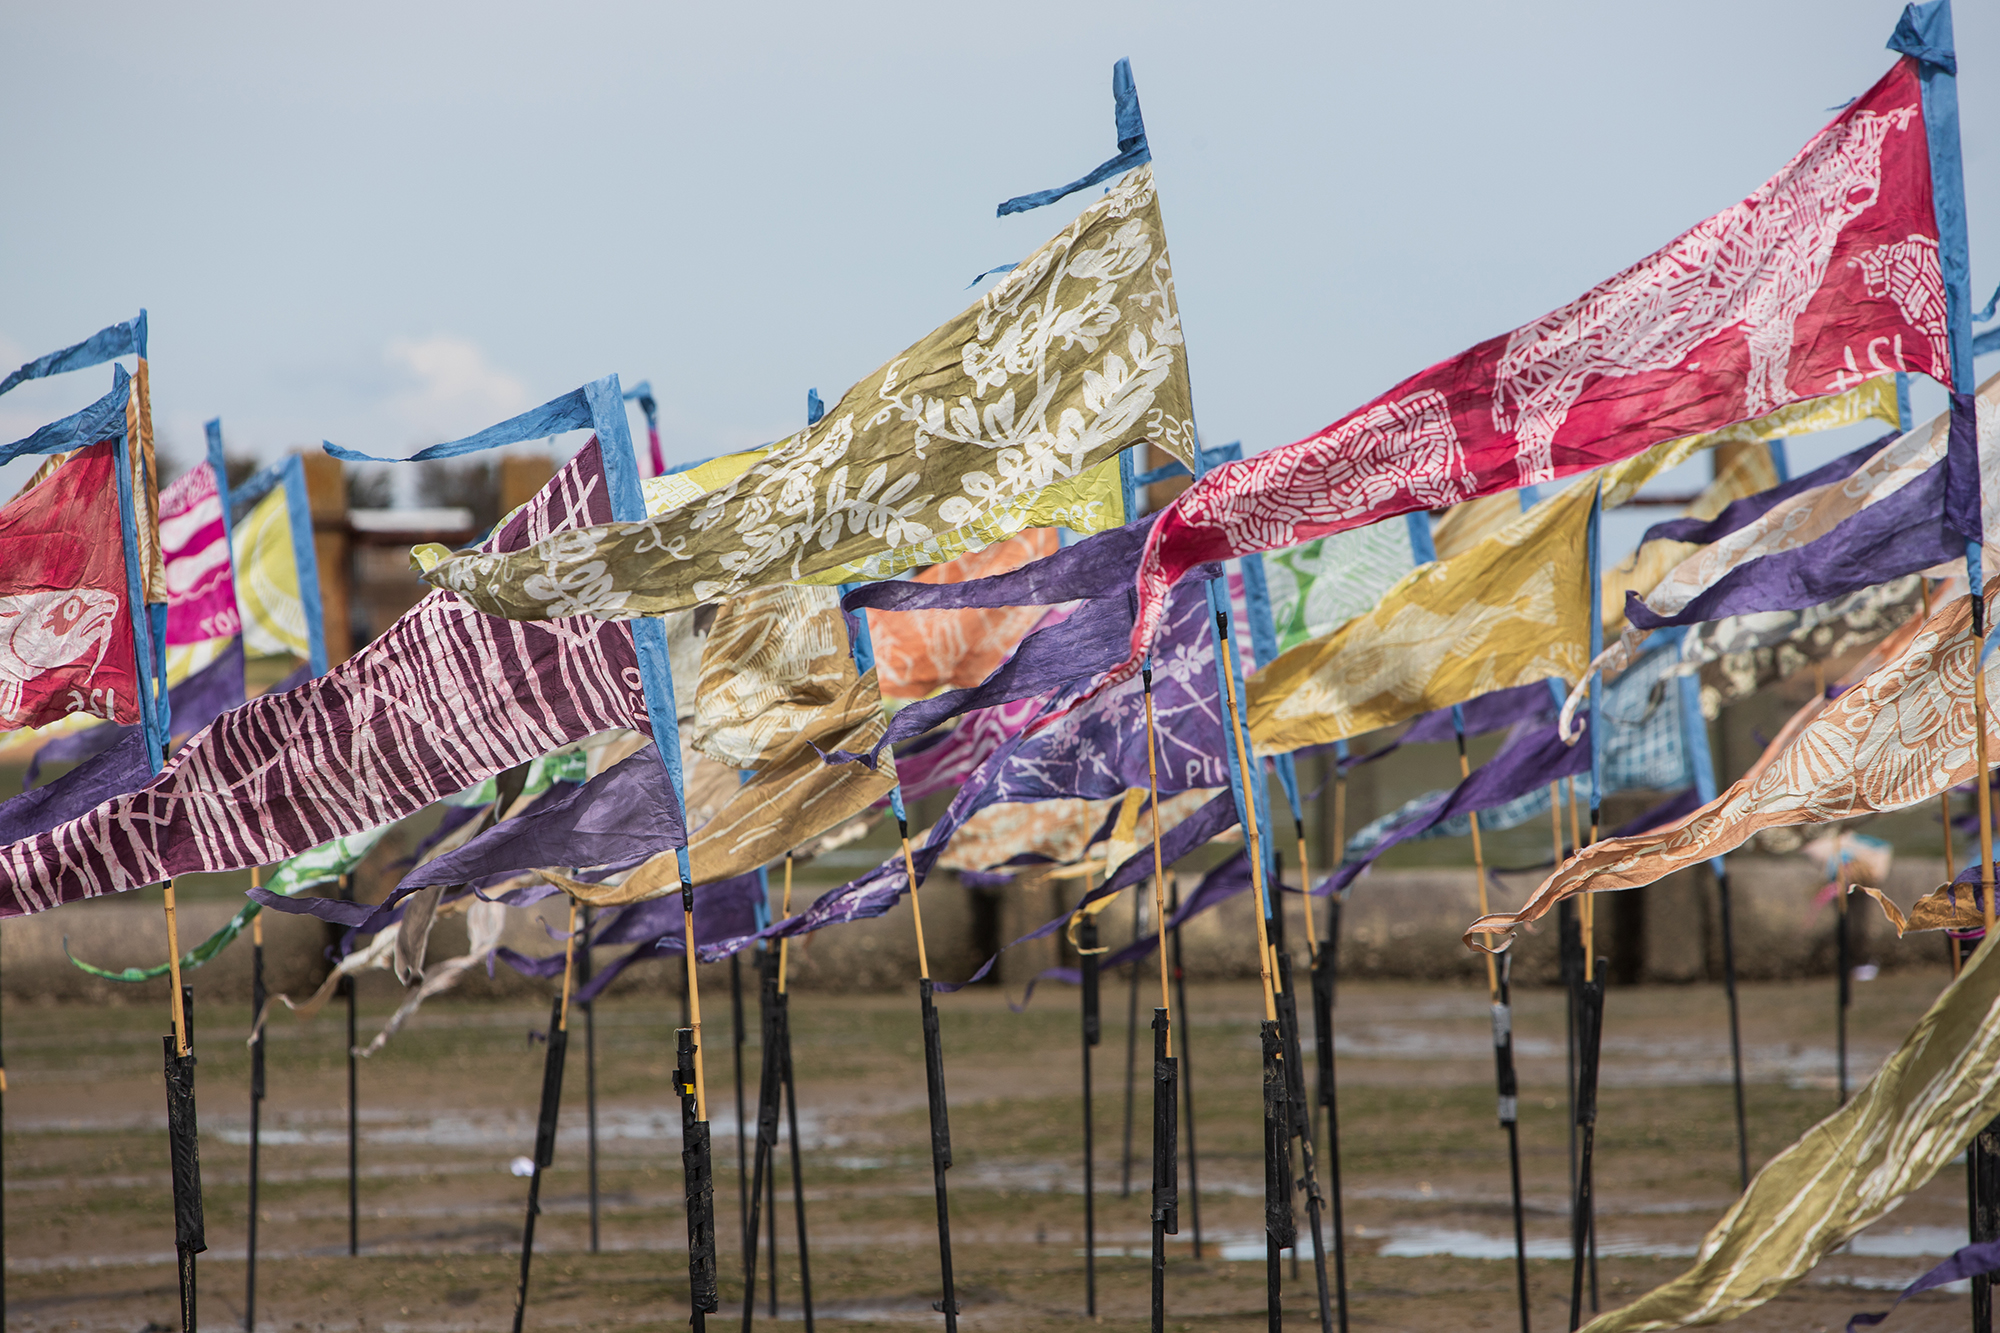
194,539
1883,520
775,672
1901,735
276,567
1941,1087
1330,580
919,654
65,610
1071,358
1827,275
445,697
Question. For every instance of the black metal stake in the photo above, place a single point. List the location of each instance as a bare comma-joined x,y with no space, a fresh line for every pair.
940,1148
771,1216
1590,1031
1280,1227
798,1170
1509,1108
257,998
184,1151
1186,1071
1087,955
353,1104
1293,1065
1735,1029
769,1086
545,1148
1325,972
1166,1162
1131,1050
698,1172
736,1039
589,1072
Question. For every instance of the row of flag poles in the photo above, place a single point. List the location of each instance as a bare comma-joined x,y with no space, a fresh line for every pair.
588,572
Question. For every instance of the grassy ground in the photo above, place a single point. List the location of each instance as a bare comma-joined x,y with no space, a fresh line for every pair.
448,1103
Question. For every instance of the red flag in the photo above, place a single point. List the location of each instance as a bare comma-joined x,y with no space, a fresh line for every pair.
1827,274
65,618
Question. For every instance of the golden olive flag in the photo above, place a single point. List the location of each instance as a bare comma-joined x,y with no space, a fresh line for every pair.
1941,1087
1074,356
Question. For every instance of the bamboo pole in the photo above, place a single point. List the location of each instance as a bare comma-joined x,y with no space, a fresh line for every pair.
1159,863
174,970
1250,839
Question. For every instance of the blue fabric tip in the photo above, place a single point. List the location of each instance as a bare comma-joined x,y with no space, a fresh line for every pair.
979,278
1985,313
1924,32
815,409
1132,148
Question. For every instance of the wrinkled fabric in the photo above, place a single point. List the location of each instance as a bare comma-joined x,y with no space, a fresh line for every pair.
1511,611
1939,1089
1069,650
444,698
943,763
1328,581
194,541
1900,736
1098,751
1738,656
723,911
1072,357
775,667
1097,566
918,655
267,585
193,704
1881,521
65,615
1759,306
779,811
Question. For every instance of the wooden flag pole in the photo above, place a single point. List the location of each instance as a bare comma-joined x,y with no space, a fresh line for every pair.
174,973
1250,839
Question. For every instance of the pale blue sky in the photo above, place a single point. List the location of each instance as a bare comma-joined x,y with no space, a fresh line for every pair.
393,224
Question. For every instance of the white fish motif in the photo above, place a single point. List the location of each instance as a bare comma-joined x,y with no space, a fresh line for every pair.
40,631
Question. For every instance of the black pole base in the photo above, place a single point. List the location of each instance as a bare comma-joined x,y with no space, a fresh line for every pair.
698,1173
545,1149
940,1149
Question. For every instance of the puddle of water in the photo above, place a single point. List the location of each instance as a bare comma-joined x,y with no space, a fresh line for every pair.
1907,1243
1244,1251
1424,1242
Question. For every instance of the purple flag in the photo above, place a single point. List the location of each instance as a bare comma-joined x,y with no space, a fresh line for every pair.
1099,750
113,772
1901,534
1738,513
1090,640
724,911
1970,1261
1097,566
622,816
1533,756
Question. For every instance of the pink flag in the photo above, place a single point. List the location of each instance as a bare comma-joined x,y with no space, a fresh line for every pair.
1829,273
201,594
65,617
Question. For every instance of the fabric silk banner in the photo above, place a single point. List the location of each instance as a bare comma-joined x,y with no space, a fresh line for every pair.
277,572
201,594
444,698
775,670
918,655
1878,522
1827,275
65,616
1071,358
1902,735
1941,1087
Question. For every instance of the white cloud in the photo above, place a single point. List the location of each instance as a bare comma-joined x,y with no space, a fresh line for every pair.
452,391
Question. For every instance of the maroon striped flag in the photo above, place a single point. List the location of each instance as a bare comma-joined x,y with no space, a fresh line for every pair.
447,697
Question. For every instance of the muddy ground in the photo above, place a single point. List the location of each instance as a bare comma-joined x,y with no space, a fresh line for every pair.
447,1105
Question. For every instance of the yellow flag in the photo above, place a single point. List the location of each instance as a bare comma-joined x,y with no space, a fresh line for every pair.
267,581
